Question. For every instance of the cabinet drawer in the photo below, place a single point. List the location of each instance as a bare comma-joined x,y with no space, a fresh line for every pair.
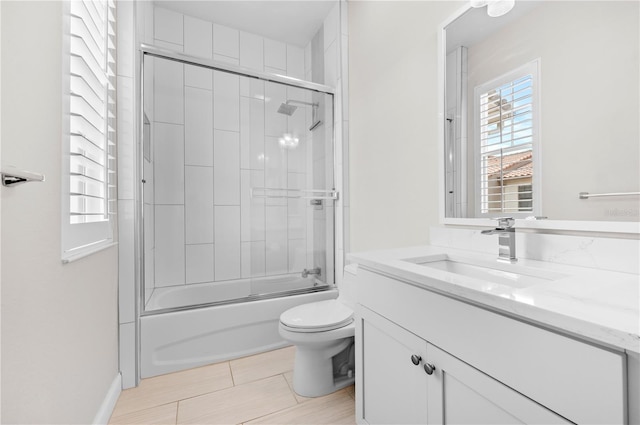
582,382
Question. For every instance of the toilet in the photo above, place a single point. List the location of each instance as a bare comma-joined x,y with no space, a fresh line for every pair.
323,333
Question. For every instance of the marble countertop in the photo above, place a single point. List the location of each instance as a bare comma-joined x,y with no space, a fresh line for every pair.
597,305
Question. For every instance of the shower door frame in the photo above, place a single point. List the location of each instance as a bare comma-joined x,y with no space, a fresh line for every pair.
152,51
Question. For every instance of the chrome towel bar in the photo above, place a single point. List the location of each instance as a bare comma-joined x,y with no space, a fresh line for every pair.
587,195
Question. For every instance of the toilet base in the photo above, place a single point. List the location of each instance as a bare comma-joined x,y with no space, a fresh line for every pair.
313,370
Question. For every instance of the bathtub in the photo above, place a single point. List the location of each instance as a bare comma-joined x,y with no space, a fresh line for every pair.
229,291
178,340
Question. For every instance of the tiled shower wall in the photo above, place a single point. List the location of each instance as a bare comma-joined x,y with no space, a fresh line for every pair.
201,223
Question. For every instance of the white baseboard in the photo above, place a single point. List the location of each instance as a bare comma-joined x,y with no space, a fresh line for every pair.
109,402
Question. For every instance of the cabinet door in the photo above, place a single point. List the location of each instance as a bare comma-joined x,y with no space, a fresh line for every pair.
394,389
461,394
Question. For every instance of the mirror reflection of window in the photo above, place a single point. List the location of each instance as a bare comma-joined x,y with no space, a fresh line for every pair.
506,143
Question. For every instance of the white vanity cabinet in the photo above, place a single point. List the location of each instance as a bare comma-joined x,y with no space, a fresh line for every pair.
485,367
403,385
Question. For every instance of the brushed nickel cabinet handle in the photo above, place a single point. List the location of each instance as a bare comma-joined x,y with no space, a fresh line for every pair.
416,359
429,368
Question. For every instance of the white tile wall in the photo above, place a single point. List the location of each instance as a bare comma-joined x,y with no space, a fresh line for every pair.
126,266
167,45
198,37
169,164
199,205
252,87
297,209
168,92
198,126
226,41
331,65
246,204
275,55
227,243
331,28
275,123
226,101
169,240
215,137
297,255
199,263
257,207
276,168
276,240
168,25
245,131
126,138
295,62
126,43
227,59
127,348
196,76
256,134
258,258
226,168
251,51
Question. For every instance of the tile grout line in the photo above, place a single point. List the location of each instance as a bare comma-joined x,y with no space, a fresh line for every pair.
291,388
233,381
142,410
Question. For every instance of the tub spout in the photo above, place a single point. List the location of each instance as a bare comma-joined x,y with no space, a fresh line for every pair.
307,272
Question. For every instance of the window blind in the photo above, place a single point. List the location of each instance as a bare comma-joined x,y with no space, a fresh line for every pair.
92,189
506,145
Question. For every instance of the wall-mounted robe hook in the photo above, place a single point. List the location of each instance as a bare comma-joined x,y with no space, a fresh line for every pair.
12,176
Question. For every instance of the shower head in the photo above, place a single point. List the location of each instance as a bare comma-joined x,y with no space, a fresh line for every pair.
287,109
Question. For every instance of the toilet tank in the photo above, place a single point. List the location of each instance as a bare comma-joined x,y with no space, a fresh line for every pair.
347,289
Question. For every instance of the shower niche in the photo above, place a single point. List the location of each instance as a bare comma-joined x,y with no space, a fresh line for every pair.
238,184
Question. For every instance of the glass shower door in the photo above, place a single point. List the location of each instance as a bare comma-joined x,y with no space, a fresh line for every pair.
238,187
291,188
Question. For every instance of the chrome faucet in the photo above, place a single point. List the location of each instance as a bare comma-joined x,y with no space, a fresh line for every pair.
506,239
307,272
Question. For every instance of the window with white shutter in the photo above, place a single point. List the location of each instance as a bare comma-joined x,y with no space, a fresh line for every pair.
89,160
506,144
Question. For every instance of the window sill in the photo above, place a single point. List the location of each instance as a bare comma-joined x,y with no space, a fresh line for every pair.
79,253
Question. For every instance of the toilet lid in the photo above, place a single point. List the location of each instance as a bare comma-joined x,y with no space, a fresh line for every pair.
322,315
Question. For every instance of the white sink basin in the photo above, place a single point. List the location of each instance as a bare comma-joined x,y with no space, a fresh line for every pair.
512,275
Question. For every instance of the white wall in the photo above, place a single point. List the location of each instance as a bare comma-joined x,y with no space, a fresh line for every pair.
393,121
590,118
59,322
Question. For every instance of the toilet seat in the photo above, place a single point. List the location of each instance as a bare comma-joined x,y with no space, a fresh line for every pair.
319,316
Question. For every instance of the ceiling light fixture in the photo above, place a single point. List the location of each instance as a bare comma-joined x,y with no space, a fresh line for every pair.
495,8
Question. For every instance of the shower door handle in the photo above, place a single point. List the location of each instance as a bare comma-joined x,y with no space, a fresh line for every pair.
286,193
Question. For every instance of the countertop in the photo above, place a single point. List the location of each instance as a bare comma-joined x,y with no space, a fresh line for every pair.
592,304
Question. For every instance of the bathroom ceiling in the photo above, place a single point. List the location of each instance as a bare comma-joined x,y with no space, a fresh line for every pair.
293,22
476,25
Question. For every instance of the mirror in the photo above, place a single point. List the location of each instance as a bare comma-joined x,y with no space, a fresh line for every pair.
539,105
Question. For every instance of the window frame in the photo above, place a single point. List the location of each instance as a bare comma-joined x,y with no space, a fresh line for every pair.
79,240
531,68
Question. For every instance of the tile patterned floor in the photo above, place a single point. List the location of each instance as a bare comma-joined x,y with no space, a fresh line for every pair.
251,390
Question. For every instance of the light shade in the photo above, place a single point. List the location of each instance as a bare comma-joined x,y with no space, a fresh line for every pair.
288,141
479,3
500,7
